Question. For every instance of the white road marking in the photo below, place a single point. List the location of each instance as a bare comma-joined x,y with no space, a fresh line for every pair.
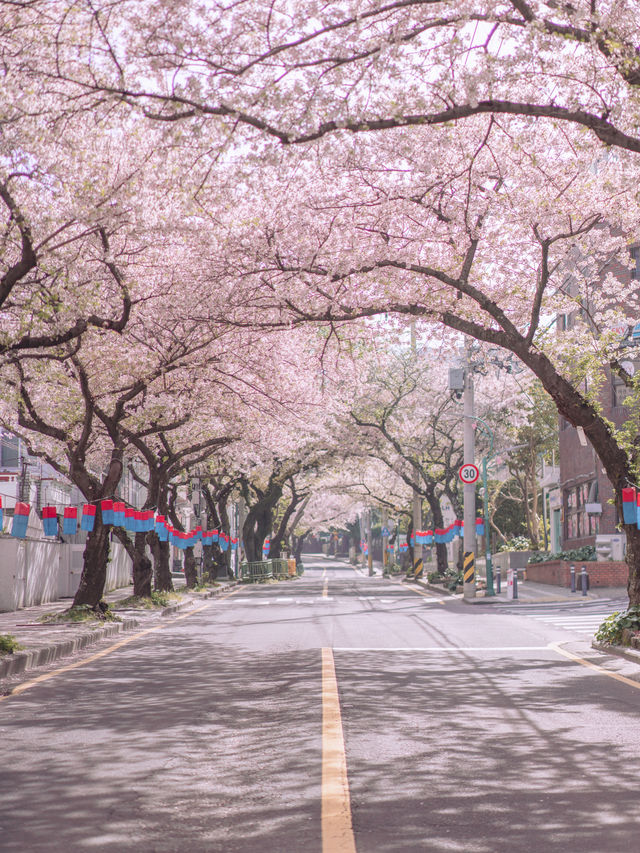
440,648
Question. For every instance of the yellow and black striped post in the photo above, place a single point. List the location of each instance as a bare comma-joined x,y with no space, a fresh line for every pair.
469,567
418,568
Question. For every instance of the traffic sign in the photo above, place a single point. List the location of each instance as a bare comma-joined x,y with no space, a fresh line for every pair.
385,531
469,473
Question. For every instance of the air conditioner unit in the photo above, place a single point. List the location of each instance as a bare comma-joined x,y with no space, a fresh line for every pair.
610,546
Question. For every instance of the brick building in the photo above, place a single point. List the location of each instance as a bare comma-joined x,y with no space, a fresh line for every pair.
580,506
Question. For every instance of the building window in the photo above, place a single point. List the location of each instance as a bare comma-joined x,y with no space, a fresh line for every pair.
577,523
619,391
9,451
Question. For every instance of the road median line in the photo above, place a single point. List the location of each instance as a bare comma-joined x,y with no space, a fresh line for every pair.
337,826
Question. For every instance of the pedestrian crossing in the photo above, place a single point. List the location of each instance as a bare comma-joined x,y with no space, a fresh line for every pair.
259,601
583,620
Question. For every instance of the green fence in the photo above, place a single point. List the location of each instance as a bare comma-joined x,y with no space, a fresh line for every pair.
263,570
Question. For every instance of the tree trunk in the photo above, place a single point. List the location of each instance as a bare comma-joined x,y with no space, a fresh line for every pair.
190,569
162,571
442,562
94,570
299,545
209,566
256,528
142,569
633,560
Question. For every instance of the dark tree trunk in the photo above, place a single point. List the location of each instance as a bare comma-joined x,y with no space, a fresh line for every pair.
298,546
94,570
209,566
162,570
442,562
633,561
256,529
190,569
142,569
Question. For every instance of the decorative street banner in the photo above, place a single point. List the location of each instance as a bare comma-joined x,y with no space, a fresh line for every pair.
638,512
266,547
118,514
107,511
88,519
1,515
20,520
70,521
130,519
629,506
234,544
161,528
403,547
479,527
50,521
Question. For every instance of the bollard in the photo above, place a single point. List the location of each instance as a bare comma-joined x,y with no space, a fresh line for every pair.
584,580
498,578
573,578
515,583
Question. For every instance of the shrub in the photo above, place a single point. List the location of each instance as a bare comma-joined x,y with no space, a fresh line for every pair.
586,554
611,629
9,644
518,543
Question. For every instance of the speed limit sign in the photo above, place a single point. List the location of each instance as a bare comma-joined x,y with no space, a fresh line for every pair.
469,473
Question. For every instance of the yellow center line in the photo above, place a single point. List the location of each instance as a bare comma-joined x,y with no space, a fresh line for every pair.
337,828
325,590
27,685
599,669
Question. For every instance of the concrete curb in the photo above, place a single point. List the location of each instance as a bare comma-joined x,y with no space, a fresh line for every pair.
21,661
619,651
441,590
31,659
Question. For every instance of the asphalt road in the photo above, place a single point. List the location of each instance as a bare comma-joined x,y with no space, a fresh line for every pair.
466,728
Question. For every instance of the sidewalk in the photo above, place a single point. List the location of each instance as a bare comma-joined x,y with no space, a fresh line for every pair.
536,593
45,643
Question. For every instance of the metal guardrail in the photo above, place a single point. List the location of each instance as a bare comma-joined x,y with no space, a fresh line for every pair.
262,570
280,569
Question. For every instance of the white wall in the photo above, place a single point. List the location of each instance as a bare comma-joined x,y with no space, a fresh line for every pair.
37,570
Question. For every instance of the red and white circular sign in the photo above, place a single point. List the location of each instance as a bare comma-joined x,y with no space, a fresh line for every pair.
469,473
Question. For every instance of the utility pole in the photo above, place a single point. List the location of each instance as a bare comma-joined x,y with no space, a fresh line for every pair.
469,489
385,539
417,499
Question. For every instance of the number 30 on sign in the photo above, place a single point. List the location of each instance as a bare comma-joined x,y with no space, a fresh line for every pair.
469,473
